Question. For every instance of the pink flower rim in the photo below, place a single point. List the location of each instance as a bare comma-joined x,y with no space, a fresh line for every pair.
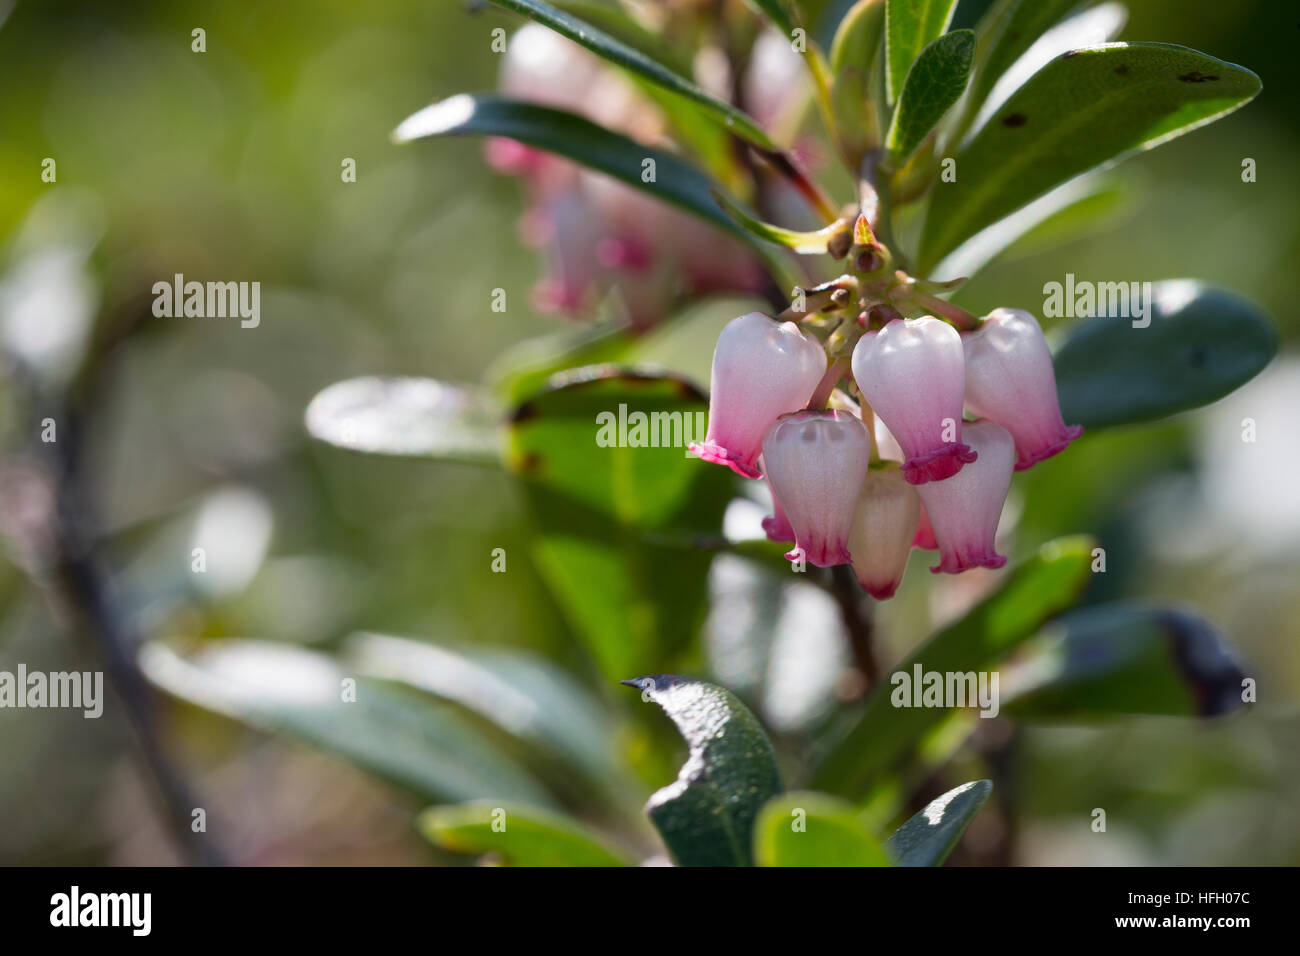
715,453
1071,433
938,464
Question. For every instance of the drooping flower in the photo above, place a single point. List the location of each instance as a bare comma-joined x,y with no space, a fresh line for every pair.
883,527
964,509
761,370
816,462
1009,380
912,374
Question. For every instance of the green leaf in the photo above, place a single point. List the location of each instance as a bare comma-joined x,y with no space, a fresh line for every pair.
1085,108
813,829
612,507
612,19
407,416
805,243
571,136
522,693
1005,33
284,689
854,65
518,835
783,16
881,734
935,82
927,838
911,26
1202,343
857,38
1125,659
706,817
633,60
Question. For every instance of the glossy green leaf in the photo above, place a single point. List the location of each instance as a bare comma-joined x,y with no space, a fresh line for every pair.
1084,109
927,838
881,734
1201,343
706,816
610,485
813,829
1117,659
1005,32
517,835
911,26
407,416
284,689
573,137
935,82
805,243
613,19
635,61
522,693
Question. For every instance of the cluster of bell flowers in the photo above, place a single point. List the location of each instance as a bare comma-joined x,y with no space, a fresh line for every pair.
864,485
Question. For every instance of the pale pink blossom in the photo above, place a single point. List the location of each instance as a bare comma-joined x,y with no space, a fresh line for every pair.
816,462
777,526
883,527
964,509
761,370
1009,380
912,374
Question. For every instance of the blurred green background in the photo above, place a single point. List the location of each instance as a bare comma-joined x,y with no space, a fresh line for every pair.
226,164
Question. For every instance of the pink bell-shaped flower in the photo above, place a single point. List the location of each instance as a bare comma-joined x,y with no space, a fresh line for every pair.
924,534
761,370
777,525
912,374
965,508
815,463
883,527
1009,380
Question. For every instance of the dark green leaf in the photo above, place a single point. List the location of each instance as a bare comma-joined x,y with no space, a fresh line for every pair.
882,734
706,817
518,835
813,829
936,81
578,139
407,416
1126,659
1085,108
911,26
927,838
612,19
1202,342
288,690
608,515
635,61
780,12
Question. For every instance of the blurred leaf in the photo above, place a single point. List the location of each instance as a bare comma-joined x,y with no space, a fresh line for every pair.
1085,108
829,833
1126,659
611,518
880,735
571,136
911,26
781,12
706,817
619,53
1094,209
524,368
406,416
1202,343
854,64
613,19
857,38
520,835
806,243
522,693
927,838
287,690
935,82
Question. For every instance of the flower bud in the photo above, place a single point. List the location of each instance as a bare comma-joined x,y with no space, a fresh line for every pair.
815,463
912,374
761,369
1009,380
883,527
965,508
